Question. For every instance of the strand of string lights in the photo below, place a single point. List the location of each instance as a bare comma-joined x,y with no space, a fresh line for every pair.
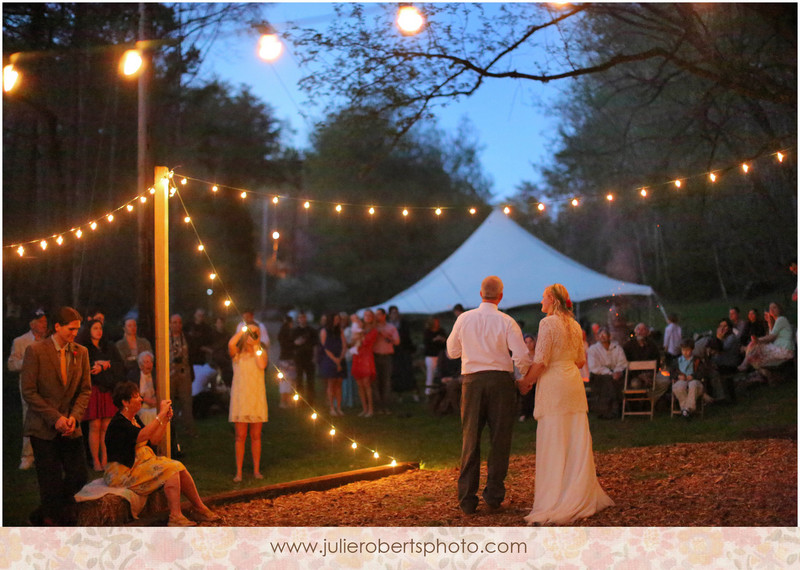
372,209
229,302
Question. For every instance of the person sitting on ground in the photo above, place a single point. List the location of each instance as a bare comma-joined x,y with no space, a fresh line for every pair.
754,326
686,377
774,348
607,364
132,464
641,347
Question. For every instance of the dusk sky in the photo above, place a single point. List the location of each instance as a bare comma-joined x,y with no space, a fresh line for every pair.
510,117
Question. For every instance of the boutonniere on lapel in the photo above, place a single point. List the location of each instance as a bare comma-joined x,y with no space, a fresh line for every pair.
74,354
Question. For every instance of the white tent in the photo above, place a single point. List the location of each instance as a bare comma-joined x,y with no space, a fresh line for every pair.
525,264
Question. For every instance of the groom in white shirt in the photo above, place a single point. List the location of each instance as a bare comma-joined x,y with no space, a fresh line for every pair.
483,339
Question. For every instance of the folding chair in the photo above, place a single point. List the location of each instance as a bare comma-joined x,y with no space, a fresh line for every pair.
639,394
675,408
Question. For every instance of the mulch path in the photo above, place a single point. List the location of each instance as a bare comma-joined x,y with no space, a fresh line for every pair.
736,483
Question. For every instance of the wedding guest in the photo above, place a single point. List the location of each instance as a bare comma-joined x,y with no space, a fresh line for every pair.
737,324
607,364
402,361
754,326
364,362
641,347
56,384
107,370
528,401
147,388
38,330
304,338
220,358
131,346
348,382
383,349
331,366
248,407
180,374
132,464
249,317
673,335
435,340
687,384
566,486
489,344
725,358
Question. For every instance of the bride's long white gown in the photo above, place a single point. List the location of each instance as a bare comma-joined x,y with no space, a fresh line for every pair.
566,486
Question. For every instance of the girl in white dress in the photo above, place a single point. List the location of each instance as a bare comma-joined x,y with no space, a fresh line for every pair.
566,486
248,405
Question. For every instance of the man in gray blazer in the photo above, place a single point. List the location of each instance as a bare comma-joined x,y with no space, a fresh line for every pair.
56,384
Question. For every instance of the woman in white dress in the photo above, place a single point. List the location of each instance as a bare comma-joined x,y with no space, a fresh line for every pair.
566,486
248,406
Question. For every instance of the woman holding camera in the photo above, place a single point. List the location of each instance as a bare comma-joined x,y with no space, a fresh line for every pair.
133,464
248,406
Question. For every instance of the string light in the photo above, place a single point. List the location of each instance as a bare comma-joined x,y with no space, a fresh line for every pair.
354,445
21,251
375,455
212,276
506,210
745,167
243,195
296,397
306,205
93,225
215,188
152,191
275,200
186,219
473,211
574,202
405,212
338,208
143,199
643,192
43,244
183,181
110,218
59,240
227,302
371,211
712,177
201,247
280,375
79,233
129,207
677,183
314,416
332,432
610,197
438,211
780,156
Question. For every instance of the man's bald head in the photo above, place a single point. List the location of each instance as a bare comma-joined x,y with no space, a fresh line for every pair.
492,289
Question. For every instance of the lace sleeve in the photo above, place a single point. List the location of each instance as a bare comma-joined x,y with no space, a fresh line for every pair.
544,341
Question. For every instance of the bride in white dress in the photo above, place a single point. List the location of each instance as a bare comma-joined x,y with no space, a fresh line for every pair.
566,486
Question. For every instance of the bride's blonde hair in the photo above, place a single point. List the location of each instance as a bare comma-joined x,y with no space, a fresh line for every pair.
562,305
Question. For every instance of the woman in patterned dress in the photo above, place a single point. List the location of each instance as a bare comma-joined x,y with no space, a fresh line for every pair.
133,464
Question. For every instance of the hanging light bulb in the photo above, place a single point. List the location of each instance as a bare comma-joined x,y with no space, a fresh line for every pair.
296,397
270,47
405,212
215,188
93,225
143,199
186,219
59,240
375,455
110,218
183,181
10,78
212,276
332,432
21,251
280,375
131,62
354,445
574,202
243,195
712,177
152,191
610,197
745,167
371,211
201,247
306,204
506,210
227,302
338,208
410,20
438,211
43,244
643,192
78,233
276,234
472,211
314,416
275,200
678,183
129,207
780,156
540,207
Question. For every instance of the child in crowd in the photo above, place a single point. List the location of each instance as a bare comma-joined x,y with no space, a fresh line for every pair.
687,382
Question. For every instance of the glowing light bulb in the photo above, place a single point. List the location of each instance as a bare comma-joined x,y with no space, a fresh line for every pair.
212,276
243,195
215,188
276,234
244,328
643,192
405,212
574,202
472,211
270,47
306,204
409,20
745,167
143,199
21,251
712,177
201,247
371,210
296,397
131,62
393,463
227,302
338,208
780,156
280,375
332,432
209,292
438,211
59,240
43,244
610,197
187,219
78,234
129,207
540,207
678,183
354,445
314,416
183,181
259,352
506,210
152,191
275,200
93,225
10,77
375,455
110,218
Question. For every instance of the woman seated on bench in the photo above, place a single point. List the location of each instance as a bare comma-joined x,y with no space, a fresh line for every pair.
776,347
133,464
